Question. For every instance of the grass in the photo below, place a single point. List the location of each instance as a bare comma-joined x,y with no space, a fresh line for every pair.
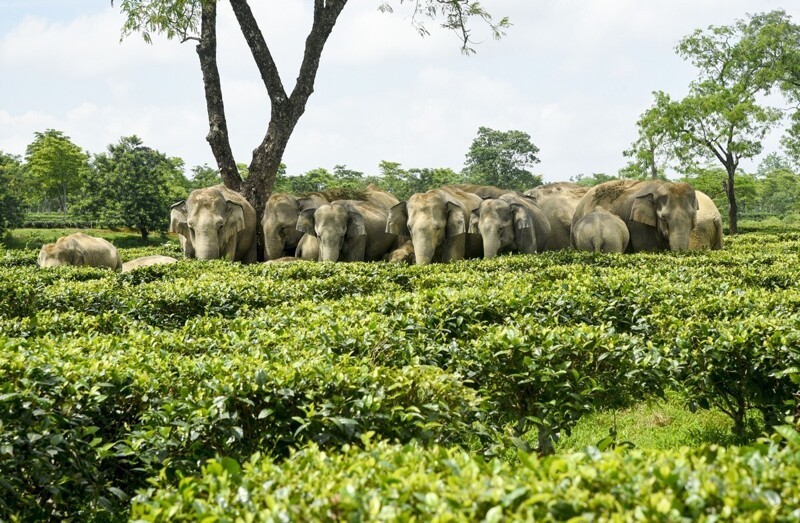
659,425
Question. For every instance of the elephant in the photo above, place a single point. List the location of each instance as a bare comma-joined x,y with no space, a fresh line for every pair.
558,202
146,261
215,222
660,215
707,232
484,191
80,249
279,223
437,222
348,230
404,253
600,231
510,223
285,259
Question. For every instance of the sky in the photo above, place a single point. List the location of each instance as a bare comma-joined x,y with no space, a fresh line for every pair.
573,74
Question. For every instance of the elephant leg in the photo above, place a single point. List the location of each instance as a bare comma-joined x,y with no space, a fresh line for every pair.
252,254
453,248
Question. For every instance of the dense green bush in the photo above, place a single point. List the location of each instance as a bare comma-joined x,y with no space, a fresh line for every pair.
392,483
109,379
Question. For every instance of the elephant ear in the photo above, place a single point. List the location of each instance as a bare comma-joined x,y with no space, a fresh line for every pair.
305,203
644,209
305,222
397,222
524,231
178,219
234,221
356,227
475,221
522,216
456,224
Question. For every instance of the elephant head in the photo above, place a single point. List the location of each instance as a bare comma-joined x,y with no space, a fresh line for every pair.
209,224
669,207
53,255
280,224
431,221
503,225
341,232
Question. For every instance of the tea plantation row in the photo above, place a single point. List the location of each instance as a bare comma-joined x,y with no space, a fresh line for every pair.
109,380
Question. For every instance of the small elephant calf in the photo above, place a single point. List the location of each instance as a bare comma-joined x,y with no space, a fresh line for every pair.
600,231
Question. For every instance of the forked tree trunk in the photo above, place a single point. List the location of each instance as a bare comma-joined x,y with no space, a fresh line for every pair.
285,109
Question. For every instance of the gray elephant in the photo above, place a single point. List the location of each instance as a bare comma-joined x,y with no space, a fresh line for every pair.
660,215
348,230
600,231
437,223
558,202
484,191
146,261
707,232
279,223
214,223
80,249
510,223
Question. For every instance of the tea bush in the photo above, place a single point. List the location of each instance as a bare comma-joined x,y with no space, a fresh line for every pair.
109,380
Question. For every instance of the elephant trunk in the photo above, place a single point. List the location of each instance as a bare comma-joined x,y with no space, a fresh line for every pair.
491,245
329,250
423,250
274,247
206,251
679,242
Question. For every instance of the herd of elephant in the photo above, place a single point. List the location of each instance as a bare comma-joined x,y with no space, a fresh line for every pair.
441,225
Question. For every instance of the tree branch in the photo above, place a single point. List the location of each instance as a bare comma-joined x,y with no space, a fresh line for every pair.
325,15
260,51
218,128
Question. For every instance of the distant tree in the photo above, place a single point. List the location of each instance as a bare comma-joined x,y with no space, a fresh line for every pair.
11,212
722,118
650,152
204,176
778,185
503,159
347,178
55,169
133,185
591,181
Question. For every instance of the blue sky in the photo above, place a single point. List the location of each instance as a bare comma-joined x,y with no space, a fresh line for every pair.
573,74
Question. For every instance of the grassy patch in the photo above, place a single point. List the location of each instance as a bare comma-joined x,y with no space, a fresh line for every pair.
659,425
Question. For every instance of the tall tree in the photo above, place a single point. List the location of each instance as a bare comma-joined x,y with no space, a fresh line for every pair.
721,119
11,212
132,185
503,159
55,167
197,20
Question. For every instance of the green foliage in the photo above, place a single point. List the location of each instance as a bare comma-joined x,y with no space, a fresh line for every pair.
132,186
204,176
54,170
11,214
502,159
410,483
110,381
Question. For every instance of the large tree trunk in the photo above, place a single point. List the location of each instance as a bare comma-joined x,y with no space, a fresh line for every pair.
730,192
285,109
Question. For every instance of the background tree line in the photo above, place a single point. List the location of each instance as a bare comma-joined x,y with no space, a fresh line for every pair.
132,185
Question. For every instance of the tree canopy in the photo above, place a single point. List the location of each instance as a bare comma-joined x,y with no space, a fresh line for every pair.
722,119
502,159
133,185
55,168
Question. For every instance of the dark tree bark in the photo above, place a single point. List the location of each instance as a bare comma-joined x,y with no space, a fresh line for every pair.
217,136
733,207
